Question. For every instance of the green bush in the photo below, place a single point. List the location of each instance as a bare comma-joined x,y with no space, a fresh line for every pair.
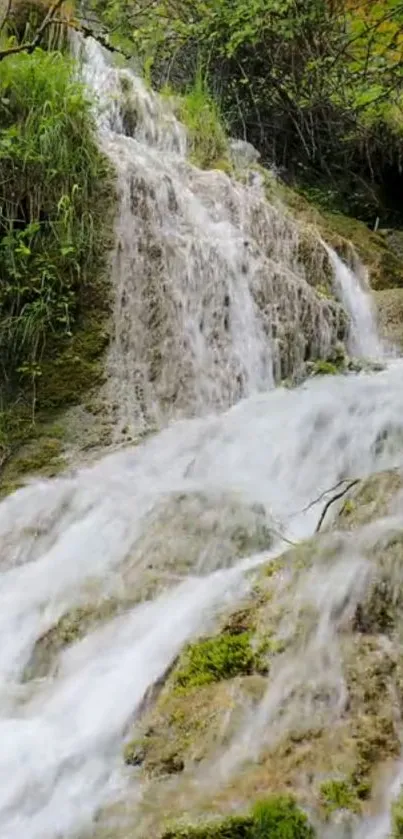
55,191
213,659
280,818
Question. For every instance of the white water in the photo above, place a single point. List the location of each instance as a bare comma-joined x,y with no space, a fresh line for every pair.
215,293
64,542
78,540
353,289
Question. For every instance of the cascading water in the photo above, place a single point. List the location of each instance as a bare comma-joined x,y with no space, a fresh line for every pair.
214,297
353,290
210,297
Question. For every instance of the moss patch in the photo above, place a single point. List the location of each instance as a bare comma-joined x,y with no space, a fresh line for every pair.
338,795
277,817
213,659
371,498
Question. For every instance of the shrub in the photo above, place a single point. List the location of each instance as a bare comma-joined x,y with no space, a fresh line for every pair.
54,194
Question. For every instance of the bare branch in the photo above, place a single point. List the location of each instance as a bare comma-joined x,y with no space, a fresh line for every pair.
332,500
32,45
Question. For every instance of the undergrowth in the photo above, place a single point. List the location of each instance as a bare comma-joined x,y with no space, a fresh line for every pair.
54,196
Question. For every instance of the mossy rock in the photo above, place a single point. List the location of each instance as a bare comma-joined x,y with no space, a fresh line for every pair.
217,658
69,629
70,371
332,760
370,498
389,303
39,457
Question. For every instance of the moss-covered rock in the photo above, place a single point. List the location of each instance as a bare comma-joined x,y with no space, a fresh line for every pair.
213,659
389,303
371,498
71,371
331,736
71,627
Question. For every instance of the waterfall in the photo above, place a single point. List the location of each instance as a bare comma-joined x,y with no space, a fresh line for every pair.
354,292
214,297
212,305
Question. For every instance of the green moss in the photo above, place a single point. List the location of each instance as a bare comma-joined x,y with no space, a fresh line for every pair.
213,659
77,367
280,818
348,507
41,457
324,368
277,817
338,795
237,827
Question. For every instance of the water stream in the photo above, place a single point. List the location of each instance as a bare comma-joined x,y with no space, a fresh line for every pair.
211,301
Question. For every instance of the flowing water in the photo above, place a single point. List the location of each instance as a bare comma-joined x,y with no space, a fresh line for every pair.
211,301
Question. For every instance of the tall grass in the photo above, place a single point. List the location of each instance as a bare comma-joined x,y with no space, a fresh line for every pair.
207,134
54,191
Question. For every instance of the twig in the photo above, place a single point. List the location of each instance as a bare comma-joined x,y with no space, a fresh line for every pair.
321,496
284,538
331,500
32,45
87,32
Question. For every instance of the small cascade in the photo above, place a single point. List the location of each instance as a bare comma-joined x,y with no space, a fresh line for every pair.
96,543
215,290
353,289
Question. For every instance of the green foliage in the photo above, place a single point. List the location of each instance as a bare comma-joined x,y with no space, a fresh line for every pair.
276,817
280,818
213,659
316,86
54,196
338,795
324,368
